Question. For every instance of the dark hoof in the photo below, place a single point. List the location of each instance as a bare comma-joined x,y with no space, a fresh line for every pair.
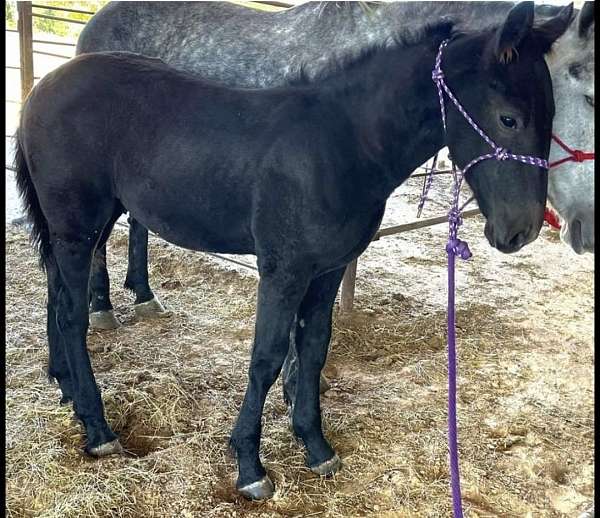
324,385
327,468
589,513
104,320
108,448
259,490
151,309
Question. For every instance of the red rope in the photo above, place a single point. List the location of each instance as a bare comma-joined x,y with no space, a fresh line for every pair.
551,218
574,155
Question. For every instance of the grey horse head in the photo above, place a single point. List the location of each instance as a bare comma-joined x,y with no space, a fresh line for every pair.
571,184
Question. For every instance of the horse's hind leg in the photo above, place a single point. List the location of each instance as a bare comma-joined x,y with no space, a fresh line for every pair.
279,296
289,373
101,309
58,367
73,258
313,332
146,303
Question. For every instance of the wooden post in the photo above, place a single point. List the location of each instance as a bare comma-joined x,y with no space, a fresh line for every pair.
348,284
25,47
349,280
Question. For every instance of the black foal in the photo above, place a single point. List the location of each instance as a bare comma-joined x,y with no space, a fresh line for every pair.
298,176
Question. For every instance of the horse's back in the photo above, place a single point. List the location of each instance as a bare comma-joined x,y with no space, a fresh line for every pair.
129,25
229,43
155,28
176,151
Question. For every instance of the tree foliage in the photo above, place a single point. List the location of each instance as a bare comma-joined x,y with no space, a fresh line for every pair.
11,14
57,27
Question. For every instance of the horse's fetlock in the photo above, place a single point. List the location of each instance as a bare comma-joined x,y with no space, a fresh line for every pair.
306,429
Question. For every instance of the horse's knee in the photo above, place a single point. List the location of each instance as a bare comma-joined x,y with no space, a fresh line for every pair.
312,349
70,319
264,370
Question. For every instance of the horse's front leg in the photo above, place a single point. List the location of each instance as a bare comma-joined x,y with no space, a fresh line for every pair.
146,303
313,332
279,296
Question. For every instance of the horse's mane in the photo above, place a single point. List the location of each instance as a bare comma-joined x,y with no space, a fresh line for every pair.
365,6
435,32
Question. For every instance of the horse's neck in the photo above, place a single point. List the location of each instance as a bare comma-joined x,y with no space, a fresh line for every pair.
346,28
405,17
357,24
393,106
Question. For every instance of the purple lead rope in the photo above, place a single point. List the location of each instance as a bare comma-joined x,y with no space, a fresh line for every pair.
456,247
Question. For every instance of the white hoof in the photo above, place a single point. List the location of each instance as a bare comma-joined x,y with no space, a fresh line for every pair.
104,320
329,467
108,448
151,309
259,490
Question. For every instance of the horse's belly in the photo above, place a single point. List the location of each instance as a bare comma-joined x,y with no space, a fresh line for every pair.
186,222
203,239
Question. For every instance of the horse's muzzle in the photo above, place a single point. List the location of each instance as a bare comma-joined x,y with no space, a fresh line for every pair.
578,233
508,238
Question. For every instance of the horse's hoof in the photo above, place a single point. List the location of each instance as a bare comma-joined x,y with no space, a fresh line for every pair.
104,320
108,448
328,468
151,309
259,490
324,385
589,513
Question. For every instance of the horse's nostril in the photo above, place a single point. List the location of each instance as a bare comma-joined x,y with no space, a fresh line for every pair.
582,234
518,240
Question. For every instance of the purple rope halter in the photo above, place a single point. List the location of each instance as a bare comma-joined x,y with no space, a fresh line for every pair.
456,247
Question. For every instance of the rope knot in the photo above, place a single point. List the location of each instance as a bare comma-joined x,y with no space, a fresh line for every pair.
437,74
454,218
458,247
501,153
578,155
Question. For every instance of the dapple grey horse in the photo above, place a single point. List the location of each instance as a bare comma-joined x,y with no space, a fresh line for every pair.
238,46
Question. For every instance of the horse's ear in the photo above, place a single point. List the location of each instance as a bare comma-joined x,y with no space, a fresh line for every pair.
585,19
517,25
548,32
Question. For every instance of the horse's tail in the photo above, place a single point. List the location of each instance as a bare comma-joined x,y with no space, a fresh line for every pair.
40,235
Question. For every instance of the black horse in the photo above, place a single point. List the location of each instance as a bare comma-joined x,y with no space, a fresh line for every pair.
297,175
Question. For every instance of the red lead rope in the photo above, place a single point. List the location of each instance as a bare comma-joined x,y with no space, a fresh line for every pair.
574,155
551,218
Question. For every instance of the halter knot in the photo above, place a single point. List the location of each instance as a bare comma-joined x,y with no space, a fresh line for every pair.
579,156
458,247
501,153
437,74
454,218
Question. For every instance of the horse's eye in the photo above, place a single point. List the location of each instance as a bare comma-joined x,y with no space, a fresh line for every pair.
509,122
590,100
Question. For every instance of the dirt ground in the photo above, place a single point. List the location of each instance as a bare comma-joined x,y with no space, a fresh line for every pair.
172,388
